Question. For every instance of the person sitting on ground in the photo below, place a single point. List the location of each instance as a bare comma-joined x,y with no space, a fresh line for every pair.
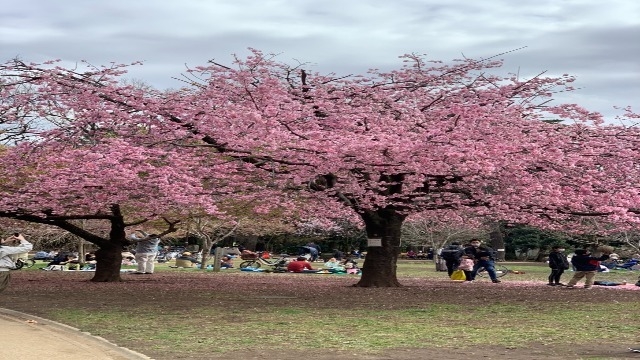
299,265
59,259
90,261
70,260
334,266
53,253
331,263
226,262
411,254
89,257
128,258
349,262
73,263
186,260
351,265
611,262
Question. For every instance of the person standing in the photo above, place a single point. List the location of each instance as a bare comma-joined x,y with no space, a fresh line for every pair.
451,255
586,267
483,258
15,244
558,263
316,250
146,251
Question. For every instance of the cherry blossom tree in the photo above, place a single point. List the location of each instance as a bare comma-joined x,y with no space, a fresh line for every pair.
59,184
420,138
427,136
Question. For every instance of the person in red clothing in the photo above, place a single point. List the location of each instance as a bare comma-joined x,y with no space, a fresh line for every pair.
299,265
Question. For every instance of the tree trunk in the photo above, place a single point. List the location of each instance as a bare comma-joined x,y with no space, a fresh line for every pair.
109,255
108,263
207,244
379,268
497,240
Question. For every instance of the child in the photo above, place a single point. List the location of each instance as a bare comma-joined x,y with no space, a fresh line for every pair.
350,265
466,265
558,263
586,267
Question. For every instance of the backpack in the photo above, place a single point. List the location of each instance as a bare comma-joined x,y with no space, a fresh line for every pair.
451,253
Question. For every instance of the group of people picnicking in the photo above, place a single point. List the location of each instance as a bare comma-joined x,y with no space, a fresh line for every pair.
428,255
475,256
72,261
468,259
346,265
146,249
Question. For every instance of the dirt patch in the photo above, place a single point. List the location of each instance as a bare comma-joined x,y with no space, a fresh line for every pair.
39,293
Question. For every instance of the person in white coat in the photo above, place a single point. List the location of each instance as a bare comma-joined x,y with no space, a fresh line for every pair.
146,251
13,245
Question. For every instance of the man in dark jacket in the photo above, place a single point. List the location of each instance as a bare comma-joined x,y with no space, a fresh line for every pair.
483,258
451,255
586,267
558,263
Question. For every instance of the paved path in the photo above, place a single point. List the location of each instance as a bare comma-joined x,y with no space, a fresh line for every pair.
27,336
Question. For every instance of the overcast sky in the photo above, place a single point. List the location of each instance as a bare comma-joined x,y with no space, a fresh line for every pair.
597,41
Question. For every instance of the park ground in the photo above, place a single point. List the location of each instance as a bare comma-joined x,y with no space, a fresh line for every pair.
189,314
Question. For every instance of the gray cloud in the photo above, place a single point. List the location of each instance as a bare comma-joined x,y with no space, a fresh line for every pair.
593,40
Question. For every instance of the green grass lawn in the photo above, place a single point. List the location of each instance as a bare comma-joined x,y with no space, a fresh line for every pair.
230,310
527,271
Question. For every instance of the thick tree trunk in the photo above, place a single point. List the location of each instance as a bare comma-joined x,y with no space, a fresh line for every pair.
207,244
108,263
379,269
109,256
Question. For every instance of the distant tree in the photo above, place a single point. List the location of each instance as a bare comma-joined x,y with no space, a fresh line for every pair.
439,228
522,238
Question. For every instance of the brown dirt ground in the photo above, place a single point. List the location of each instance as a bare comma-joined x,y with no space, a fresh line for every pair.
39,293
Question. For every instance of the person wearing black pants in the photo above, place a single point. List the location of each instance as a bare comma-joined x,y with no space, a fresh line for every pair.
558,263
451,256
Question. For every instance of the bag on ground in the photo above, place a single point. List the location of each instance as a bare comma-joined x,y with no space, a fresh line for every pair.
458,275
